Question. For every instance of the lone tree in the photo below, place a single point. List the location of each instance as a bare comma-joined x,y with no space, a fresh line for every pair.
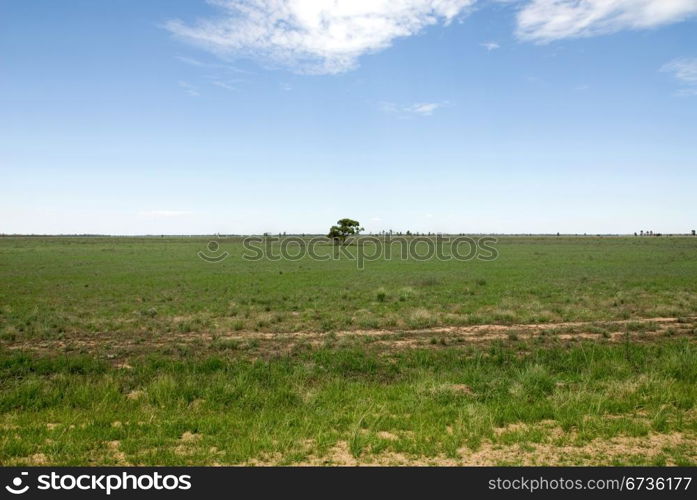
344,229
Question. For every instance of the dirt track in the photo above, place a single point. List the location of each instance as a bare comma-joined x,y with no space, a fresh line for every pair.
116,345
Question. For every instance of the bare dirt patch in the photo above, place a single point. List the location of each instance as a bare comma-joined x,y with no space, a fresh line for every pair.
596,452
118,346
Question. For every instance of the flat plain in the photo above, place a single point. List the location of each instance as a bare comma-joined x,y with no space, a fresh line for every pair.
563,350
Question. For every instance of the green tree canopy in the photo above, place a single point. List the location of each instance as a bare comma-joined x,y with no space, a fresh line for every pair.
344,229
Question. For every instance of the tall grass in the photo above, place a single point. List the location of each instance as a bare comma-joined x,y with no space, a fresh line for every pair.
434,403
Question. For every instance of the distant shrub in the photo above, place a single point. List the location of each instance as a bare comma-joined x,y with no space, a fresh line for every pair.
149,313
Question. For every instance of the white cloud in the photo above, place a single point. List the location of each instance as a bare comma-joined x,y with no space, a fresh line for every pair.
191,61
209,65
546,20
423,108
313,36
685,71
419,108
223,85
490,46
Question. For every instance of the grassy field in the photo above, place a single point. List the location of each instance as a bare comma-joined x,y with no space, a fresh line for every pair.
136,351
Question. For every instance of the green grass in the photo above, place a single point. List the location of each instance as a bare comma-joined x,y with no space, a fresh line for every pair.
135,351
51,287
437,404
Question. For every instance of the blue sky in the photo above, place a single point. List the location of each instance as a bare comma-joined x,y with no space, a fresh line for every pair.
182,116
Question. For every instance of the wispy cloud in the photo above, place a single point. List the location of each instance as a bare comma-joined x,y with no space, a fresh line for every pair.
222,75
419,108
189,89
490,46
685,71
308,36
192,61
223,85
547,20
423,108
